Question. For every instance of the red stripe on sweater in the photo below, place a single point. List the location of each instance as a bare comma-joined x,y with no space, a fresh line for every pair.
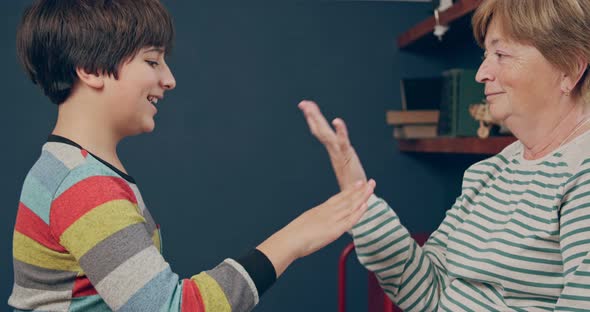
84,196
191,297
32,226
83,287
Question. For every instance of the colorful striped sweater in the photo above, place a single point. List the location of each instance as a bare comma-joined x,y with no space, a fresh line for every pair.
84,240
516,239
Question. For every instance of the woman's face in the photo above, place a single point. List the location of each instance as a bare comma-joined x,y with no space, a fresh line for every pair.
520,84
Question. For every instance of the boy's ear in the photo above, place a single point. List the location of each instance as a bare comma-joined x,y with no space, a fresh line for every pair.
93,80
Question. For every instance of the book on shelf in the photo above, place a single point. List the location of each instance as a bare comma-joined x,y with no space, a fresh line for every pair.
413,124
418,131
420,100
459,91
406,117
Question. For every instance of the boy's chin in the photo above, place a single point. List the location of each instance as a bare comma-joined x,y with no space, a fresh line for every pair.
146,127
148,124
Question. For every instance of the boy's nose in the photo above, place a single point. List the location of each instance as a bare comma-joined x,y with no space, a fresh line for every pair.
168,82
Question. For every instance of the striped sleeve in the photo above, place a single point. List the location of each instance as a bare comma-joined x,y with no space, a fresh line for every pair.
97,219
412,276
575,242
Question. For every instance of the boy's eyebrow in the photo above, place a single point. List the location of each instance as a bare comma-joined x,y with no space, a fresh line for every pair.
154,49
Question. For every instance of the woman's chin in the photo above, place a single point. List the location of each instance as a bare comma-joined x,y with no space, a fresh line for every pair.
498,115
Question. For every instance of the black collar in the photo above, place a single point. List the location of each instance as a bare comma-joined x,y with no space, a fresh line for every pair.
60,139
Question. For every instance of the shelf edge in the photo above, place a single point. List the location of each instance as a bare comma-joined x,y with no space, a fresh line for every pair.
457,10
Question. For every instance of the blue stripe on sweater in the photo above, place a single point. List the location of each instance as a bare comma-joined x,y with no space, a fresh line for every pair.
89,304
49,171
161,293
36,197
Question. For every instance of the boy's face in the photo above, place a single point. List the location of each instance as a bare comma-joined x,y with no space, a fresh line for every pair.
134,96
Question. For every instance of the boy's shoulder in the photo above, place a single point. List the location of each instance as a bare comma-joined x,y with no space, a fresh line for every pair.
61,164
60,167
74,165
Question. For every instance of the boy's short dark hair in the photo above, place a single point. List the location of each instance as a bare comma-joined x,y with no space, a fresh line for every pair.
57,36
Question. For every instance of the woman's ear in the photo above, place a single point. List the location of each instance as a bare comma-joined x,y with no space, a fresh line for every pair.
570,81
93,80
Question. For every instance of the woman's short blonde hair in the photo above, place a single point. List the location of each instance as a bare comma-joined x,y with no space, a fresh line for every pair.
559,29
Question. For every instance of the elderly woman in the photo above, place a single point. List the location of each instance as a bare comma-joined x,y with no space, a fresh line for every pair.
518,236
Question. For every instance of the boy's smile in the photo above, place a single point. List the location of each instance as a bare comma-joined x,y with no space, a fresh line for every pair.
133,97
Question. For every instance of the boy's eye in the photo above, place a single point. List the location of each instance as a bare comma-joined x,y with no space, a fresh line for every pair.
152,63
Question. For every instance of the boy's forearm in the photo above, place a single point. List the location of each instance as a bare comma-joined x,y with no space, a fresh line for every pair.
279,251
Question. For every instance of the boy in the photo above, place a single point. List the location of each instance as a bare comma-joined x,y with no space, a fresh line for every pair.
84,239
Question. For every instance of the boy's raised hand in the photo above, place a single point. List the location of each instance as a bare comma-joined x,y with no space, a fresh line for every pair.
318,226
346,164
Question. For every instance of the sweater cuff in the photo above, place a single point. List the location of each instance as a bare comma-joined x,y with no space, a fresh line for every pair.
260,269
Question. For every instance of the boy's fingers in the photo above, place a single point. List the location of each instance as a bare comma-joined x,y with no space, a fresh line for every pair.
364,194
356,215
353,198
348,194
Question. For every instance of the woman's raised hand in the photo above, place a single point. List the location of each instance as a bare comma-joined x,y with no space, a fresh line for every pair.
346,164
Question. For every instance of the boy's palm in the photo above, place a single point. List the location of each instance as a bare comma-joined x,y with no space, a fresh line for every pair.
325,223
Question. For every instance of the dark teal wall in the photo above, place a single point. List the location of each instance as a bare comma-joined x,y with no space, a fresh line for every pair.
231,160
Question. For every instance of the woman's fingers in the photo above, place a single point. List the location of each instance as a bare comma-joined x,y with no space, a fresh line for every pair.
345,161
341,133
317,123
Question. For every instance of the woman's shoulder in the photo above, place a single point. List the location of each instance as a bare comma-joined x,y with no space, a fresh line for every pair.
570,157
503,158
576,153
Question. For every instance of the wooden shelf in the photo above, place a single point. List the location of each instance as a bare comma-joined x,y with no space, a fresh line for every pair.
467,145
426,27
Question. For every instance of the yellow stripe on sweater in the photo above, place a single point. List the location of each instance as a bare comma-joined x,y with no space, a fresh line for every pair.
98,224
213,296
29,251
156,240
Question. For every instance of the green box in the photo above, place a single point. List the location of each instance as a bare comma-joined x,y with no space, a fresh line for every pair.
459,91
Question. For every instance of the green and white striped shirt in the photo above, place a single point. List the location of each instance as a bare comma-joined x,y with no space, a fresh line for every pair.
516,239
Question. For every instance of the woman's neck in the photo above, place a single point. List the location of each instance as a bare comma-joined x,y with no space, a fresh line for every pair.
551,130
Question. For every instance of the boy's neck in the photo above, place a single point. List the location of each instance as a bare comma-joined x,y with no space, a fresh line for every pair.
89,131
